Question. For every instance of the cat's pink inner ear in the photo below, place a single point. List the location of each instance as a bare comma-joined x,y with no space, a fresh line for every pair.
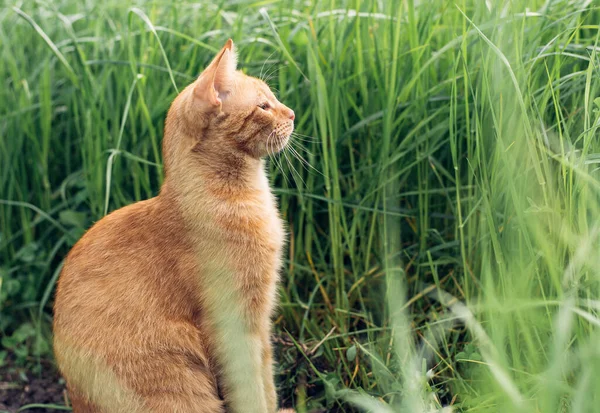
218,79
205,92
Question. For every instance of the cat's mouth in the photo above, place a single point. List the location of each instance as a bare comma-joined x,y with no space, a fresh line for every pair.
275,143
279,137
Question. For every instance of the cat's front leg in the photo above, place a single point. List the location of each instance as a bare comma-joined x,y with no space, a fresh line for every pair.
242,374
267,373
237,346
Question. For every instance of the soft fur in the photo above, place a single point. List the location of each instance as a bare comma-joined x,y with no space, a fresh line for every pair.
165,305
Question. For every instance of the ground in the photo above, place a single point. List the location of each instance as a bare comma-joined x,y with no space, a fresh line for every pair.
20,387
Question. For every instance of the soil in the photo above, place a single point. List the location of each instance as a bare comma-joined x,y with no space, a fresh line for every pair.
19,387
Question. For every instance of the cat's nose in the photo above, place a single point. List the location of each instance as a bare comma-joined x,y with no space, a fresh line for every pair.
291,114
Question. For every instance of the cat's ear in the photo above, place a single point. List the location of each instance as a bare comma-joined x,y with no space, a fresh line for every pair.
217,80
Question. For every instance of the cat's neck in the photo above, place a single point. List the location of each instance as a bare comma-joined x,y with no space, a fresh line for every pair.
228,170
210,176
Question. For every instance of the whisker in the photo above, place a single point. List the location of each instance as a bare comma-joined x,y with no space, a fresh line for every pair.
303,161
278,164
292,168
271,74
300,138
263,65
271,70
305,138
301,147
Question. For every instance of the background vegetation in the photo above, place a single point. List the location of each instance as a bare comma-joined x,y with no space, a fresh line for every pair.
444,235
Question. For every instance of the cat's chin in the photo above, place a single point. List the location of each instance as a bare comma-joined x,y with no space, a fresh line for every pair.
275,145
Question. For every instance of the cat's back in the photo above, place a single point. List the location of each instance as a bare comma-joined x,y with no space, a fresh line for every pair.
130,262
125,240
125,316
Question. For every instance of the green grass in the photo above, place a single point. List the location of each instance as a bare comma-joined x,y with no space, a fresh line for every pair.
446,251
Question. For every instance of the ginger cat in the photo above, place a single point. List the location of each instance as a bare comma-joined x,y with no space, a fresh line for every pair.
165,305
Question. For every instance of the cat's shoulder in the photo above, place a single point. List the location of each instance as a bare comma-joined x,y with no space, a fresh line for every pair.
145,225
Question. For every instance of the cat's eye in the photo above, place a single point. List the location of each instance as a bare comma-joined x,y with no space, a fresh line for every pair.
264,106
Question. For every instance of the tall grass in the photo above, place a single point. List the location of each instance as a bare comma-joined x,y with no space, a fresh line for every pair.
443,253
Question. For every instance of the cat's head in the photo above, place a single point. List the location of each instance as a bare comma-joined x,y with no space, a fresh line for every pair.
229,110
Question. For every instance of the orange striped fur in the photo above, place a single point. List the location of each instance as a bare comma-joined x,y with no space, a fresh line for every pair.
165,305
